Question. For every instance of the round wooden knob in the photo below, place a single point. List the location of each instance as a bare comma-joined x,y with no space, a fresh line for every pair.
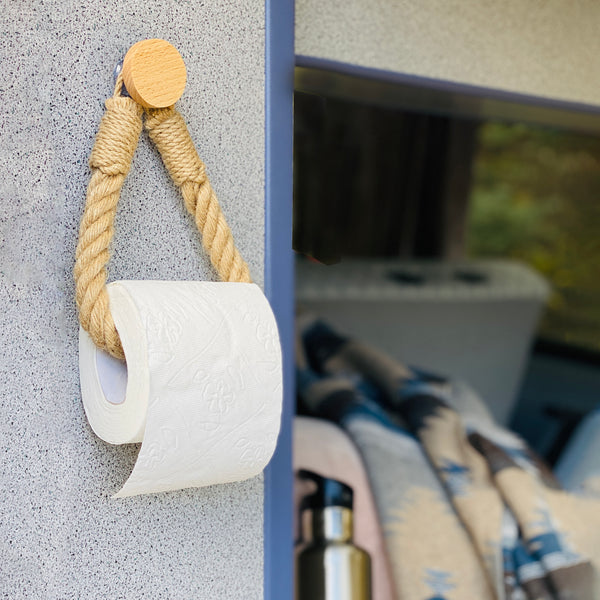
154,73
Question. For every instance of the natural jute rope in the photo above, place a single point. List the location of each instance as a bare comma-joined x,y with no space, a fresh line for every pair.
110,161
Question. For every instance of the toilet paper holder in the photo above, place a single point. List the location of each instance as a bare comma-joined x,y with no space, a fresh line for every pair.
216,398
154,76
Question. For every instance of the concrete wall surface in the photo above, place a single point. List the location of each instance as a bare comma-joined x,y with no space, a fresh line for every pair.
547,48
61,536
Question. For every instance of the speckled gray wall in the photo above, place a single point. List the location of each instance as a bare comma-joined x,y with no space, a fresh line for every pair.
540,47
61,536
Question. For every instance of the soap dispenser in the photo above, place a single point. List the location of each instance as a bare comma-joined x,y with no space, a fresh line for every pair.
330,566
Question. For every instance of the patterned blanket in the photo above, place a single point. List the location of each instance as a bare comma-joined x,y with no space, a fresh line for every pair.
468,510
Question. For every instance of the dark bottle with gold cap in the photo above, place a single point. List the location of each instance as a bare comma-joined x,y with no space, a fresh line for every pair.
330,566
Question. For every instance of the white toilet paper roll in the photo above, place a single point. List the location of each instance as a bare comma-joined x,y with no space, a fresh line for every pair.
202,389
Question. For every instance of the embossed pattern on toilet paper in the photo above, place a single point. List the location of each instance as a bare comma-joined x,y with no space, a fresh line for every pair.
215,384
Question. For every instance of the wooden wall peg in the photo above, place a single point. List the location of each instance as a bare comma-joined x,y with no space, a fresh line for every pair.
154,73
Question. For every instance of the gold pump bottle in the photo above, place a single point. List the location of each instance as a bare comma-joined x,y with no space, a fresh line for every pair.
330,566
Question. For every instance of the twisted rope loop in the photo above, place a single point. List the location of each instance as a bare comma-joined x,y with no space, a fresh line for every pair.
168,131
110,161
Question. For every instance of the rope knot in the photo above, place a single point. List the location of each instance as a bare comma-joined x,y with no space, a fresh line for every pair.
117,137
168,131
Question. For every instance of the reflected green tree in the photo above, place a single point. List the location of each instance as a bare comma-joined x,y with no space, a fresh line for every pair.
536,198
